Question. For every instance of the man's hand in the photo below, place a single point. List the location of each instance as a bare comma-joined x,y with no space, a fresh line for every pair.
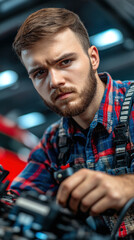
95,191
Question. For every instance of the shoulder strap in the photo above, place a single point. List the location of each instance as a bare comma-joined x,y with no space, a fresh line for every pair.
63,145
122,136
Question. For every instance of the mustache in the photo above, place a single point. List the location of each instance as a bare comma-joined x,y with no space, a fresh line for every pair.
60,91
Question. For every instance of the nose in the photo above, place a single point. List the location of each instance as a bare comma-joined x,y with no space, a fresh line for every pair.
56,78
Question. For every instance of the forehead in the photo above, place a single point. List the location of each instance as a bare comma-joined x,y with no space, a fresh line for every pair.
53,47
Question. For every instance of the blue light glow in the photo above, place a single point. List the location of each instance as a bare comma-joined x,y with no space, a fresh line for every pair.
41,236
31,120
7,79
107,39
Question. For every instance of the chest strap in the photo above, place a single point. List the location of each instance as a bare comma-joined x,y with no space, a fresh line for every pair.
63,145
122,135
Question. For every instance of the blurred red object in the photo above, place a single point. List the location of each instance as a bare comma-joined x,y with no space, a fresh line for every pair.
15,144
11,162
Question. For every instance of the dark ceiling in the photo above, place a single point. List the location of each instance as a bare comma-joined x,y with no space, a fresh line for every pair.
97,15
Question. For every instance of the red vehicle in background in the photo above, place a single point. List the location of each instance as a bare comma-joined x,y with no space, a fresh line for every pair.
15,146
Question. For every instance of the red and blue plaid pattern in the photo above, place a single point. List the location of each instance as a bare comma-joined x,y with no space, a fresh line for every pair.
93,150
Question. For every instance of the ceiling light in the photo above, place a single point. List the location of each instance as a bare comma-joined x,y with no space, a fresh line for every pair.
107,39
7,79
31,120
41,235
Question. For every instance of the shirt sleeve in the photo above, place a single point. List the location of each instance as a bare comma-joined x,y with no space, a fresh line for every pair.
38,173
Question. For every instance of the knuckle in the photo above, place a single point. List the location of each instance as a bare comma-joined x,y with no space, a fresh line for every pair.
65,187
115,196
98,176
83,171
106,185
75,195
85,203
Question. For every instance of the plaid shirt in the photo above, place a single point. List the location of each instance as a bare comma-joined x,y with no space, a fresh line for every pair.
93,150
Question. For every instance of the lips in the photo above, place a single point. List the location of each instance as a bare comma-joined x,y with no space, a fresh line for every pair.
63,95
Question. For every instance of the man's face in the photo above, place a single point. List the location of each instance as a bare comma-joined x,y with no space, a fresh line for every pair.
61,73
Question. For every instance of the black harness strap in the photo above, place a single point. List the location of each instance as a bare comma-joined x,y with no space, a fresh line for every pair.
63,145
122,136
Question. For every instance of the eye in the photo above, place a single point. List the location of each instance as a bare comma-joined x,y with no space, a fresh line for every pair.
65,62
40,73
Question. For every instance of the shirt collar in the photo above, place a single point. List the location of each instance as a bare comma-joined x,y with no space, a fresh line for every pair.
105,112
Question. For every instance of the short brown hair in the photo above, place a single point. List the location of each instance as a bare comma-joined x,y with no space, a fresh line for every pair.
45,23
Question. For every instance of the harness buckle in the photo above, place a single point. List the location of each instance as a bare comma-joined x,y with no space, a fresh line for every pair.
121,133
121,139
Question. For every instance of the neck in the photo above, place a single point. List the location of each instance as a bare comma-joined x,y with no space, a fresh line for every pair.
85,118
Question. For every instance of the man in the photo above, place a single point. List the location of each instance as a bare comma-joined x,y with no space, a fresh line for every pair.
54,47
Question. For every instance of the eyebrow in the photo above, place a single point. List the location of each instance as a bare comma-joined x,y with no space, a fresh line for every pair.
34,70
64,56
53,62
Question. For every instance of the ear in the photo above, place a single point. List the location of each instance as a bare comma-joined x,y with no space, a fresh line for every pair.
94,57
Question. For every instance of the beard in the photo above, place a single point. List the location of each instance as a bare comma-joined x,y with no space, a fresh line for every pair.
71,108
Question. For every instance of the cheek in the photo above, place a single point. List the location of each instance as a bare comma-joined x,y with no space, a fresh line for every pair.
41,88
79,72
40,84
36,83
81,66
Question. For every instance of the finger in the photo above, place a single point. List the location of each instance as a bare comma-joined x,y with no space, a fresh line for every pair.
91,198
102,205
80,192
87,192
67,186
